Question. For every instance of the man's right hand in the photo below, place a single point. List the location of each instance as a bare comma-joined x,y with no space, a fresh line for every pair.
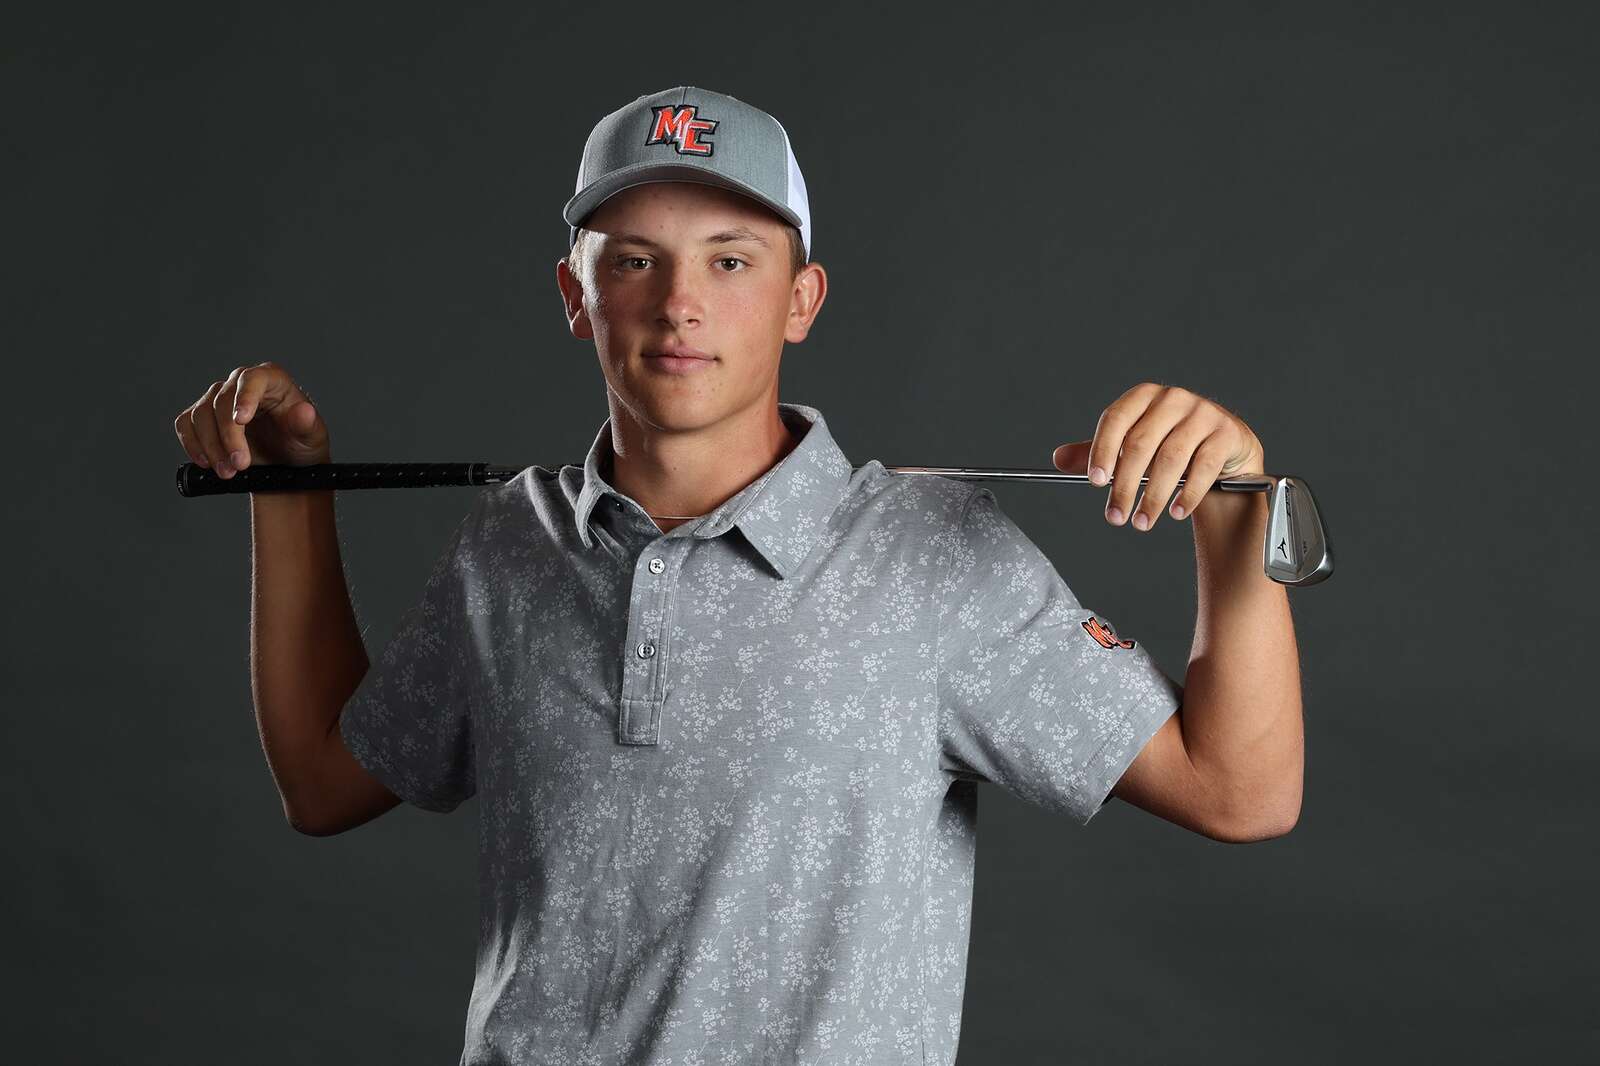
255,414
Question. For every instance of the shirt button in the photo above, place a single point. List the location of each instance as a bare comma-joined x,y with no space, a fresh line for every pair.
646,650
656,566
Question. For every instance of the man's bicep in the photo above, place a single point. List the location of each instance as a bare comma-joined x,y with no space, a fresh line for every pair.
1162,780
1037,693
408,726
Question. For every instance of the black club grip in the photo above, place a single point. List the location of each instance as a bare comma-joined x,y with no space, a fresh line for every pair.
198,481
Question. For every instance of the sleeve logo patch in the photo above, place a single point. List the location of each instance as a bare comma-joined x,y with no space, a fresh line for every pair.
1104,635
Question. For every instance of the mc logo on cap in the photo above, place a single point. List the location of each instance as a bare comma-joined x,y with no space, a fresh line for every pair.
679,127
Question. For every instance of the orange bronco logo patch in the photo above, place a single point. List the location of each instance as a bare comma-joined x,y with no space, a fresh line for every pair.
679,127
1103,634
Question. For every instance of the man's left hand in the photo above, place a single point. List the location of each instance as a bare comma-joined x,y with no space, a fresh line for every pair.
1166,433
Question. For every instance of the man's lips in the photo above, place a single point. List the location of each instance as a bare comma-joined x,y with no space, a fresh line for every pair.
680,353
679,360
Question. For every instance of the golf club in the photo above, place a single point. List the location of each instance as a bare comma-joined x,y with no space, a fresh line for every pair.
1296,551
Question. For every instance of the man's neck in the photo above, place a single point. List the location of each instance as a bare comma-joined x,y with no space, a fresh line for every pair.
693,473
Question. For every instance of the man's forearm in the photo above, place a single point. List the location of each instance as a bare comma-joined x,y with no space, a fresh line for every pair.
1241,715
306,654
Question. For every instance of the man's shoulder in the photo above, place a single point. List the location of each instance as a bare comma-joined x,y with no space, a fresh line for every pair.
516,510
930,502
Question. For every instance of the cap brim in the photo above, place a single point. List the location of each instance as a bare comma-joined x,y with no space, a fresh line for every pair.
583,204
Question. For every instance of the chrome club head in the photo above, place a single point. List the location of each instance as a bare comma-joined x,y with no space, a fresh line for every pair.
1297,550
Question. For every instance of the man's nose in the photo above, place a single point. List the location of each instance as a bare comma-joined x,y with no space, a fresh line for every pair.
681,301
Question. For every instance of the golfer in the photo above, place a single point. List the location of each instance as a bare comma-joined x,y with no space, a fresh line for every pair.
725,696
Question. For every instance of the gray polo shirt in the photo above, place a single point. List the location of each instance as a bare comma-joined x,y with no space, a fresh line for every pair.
727,775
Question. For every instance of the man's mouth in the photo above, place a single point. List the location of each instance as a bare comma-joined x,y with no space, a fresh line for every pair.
679,359
679,352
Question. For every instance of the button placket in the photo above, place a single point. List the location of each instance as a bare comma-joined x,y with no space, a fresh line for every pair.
650,614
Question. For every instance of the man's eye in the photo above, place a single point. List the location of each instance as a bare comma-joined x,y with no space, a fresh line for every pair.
631,259
731,259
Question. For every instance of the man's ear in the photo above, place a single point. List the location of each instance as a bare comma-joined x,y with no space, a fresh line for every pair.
572,300
810,288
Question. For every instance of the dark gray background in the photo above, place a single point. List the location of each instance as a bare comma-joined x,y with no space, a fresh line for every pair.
1370,232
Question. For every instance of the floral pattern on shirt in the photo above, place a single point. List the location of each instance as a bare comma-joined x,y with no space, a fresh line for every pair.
727,775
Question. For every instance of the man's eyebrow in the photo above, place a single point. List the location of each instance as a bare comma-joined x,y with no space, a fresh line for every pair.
727,236
738,233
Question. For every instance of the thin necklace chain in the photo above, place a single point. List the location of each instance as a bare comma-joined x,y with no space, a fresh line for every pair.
676,515
608,470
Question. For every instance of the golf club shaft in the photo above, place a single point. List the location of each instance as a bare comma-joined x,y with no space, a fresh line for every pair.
196,480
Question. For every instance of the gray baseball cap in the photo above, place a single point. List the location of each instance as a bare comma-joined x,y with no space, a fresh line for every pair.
690,134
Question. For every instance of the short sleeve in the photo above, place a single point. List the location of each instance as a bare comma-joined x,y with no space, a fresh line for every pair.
1037,693
409,722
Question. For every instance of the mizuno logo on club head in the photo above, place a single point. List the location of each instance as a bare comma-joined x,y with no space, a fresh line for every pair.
679,127
1103,634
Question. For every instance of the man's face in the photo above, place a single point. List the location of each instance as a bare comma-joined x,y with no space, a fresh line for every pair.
671,265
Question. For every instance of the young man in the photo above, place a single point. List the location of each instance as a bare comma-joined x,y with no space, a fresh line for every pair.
724,696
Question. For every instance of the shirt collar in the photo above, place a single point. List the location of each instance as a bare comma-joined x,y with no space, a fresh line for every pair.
781,513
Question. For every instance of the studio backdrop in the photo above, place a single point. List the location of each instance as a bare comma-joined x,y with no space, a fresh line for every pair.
1368,232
